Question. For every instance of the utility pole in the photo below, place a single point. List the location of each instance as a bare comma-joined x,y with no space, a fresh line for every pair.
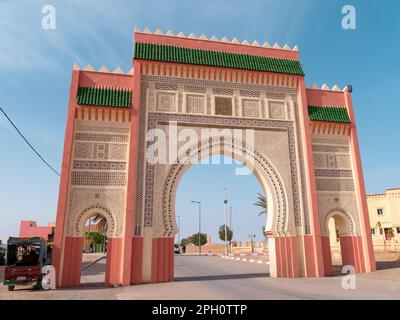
230,218
199,203
179,230
226,231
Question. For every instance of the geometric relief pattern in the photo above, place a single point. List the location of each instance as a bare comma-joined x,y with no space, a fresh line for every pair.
334,173
99,165
95,178
104,211
332,184
118,151
83,203
276,110
189,85
251,108
231,122
194,104
329,160
326,148
83,150
272,92
101,137
165,102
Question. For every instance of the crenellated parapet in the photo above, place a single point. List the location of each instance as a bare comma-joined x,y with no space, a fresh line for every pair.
203,37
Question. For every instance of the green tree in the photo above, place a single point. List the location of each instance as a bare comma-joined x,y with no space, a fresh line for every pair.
262,203
95,237
185,242
194,239
221,233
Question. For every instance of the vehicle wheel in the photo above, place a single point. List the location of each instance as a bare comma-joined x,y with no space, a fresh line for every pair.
38,286
11,288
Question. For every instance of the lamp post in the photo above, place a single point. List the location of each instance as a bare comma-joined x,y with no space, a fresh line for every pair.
252,236
199,203
230,218
226,231
179,229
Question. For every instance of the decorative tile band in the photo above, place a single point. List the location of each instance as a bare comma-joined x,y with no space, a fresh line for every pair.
99,165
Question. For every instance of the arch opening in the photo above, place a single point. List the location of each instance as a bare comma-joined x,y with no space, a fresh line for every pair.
339,249
95,234
240,214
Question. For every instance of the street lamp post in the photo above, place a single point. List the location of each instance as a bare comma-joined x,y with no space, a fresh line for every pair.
252,236
199,203
179,230
230,218
226,231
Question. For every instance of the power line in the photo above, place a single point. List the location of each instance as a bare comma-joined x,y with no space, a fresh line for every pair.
34,150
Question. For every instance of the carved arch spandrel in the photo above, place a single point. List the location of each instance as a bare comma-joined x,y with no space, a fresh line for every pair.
264,170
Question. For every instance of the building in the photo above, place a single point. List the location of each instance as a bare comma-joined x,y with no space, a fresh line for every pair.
302,146
30,229
384,215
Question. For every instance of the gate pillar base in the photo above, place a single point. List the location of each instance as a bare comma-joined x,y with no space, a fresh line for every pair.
284,257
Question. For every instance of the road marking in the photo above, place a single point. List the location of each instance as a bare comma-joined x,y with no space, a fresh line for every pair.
245,259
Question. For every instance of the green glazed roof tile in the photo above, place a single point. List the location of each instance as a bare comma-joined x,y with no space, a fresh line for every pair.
167,53
104,97
328,114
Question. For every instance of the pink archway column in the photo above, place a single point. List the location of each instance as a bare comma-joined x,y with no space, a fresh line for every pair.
366,240
162,260
312,242
60,242
284,257
72,262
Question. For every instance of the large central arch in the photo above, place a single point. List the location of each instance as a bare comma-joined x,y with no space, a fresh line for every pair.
263,169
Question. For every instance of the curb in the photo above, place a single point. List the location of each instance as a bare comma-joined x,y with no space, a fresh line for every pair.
203,254
246,260
93,262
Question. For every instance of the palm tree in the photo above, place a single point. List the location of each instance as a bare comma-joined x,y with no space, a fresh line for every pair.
100,220
262,203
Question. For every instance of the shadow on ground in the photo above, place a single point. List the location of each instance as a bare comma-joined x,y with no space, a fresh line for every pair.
223,277
383,265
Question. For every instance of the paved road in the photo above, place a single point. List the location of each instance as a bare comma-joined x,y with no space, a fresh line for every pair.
217,278
94,274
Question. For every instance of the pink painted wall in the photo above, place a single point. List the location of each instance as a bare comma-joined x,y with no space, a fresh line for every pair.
137,260
162,261
71,274
30,229
318,97
92,79
312,242
287,258
64,180
326,251
113,264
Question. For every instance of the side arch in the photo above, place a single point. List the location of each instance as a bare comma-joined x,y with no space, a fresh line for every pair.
89,212
349,225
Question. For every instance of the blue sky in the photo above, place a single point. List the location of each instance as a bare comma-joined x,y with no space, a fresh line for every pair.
35,69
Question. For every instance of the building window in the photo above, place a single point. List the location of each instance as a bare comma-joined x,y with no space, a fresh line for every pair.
223,106
398,230
373,231
388,233
380,212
